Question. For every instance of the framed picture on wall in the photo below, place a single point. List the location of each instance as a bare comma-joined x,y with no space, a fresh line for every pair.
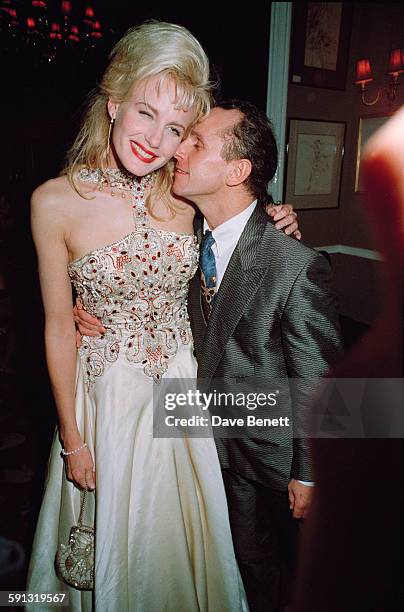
315,153
367,127
320,43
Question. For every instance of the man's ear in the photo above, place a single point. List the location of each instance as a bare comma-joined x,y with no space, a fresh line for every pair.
112,108
239,170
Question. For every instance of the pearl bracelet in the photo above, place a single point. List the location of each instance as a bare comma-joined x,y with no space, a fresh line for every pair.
73,452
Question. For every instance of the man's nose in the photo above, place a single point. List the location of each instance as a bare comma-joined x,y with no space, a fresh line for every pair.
180,152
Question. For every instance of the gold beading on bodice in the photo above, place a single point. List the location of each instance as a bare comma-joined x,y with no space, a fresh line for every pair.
137,287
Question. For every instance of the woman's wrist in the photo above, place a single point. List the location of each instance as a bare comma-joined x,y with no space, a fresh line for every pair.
74,451
70,438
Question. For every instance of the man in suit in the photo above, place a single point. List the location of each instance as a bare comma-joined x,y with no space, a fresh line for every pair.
265,310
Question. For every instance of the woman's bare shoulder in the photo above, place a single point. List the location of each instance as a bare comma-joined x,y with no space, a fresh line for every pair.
52,192
57,198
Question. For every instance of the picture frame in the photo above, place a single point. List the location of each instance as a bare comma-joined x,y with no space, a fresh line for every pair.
314,163
368,125
321,34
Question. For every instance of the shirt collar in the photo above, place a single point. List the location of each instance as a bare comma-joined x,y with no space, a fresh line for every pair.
228,233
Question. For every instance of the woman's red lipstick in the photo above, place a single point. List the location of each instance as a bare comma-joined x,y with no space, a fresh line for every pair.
135,146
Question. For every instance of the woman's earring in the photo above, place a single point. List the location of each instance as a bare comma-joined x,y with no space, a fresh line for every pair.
111,124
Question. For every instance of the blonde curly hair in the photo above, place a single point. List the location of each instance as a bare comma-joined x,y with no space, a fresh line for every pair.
150,49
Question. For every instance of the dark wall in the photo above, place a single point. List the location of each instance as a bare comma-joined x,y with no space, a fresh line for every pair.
43,100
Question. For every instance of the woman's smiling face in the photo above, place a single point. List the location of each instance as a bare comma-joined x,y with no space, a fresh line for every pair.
148,127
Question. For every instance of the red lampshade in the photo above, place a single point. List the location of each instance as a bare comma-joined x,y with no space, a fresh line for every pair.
74,34
66,7
363,72
31,23
396,64
89,16
55,33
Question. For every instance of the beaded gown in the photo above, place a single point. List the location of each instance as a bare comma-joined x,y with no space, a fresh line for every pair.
162,535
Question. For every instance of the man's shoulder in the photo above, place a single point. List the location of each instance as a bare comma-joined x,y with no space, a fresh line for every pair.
288,249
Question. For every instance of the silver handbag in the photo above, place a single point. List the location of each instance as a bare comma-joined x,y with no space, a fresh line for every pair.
74,561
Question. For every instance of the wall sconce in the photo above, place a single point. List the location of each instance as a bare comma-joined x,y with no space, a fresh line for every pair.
364,75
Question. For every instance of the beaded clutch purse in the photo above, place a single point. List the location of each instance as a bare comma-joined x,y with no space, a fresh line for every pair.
74,561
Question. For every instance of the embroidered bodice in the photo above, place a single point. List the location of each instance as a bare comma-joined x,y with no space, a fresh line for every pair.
137,287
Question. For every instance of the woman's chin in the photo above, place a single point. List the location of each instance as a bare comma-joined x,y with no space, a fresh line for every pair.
139,168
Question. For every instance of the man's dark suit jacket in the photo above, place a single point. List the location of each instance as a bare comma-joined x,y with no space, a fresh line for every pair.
274,317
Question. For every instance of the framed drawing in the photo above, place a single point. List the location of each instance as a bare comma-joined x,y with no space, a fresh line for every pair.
367,127
320,43
315,153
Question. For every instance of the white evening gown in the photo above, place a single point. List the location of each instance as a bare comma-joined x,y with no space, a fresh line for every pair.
163,541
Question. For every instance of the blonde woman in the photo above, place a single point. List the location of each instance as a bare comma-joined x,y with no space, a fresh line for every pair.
110,226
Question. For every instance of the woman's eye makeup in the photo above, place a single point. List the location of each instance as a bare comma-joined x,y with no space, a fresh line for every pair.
176,131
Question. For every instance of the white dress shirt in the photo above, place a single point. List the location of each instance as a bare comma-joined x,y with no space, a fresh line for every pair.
226,238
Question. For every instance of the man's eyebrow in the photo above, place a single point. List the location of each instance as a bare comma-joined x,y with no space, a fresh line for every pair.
155,111
194,132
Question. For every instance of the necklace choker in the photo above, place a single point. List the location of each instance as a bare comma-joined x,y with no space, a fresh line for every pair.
118,181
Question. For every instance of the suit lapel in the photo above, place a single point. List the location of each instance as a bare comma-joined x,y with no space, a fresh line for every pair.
196,315
241,280
195,308
199,235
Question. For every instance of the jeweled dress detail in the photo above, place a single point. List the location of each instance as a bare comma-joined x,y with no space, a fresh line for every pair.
163,541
